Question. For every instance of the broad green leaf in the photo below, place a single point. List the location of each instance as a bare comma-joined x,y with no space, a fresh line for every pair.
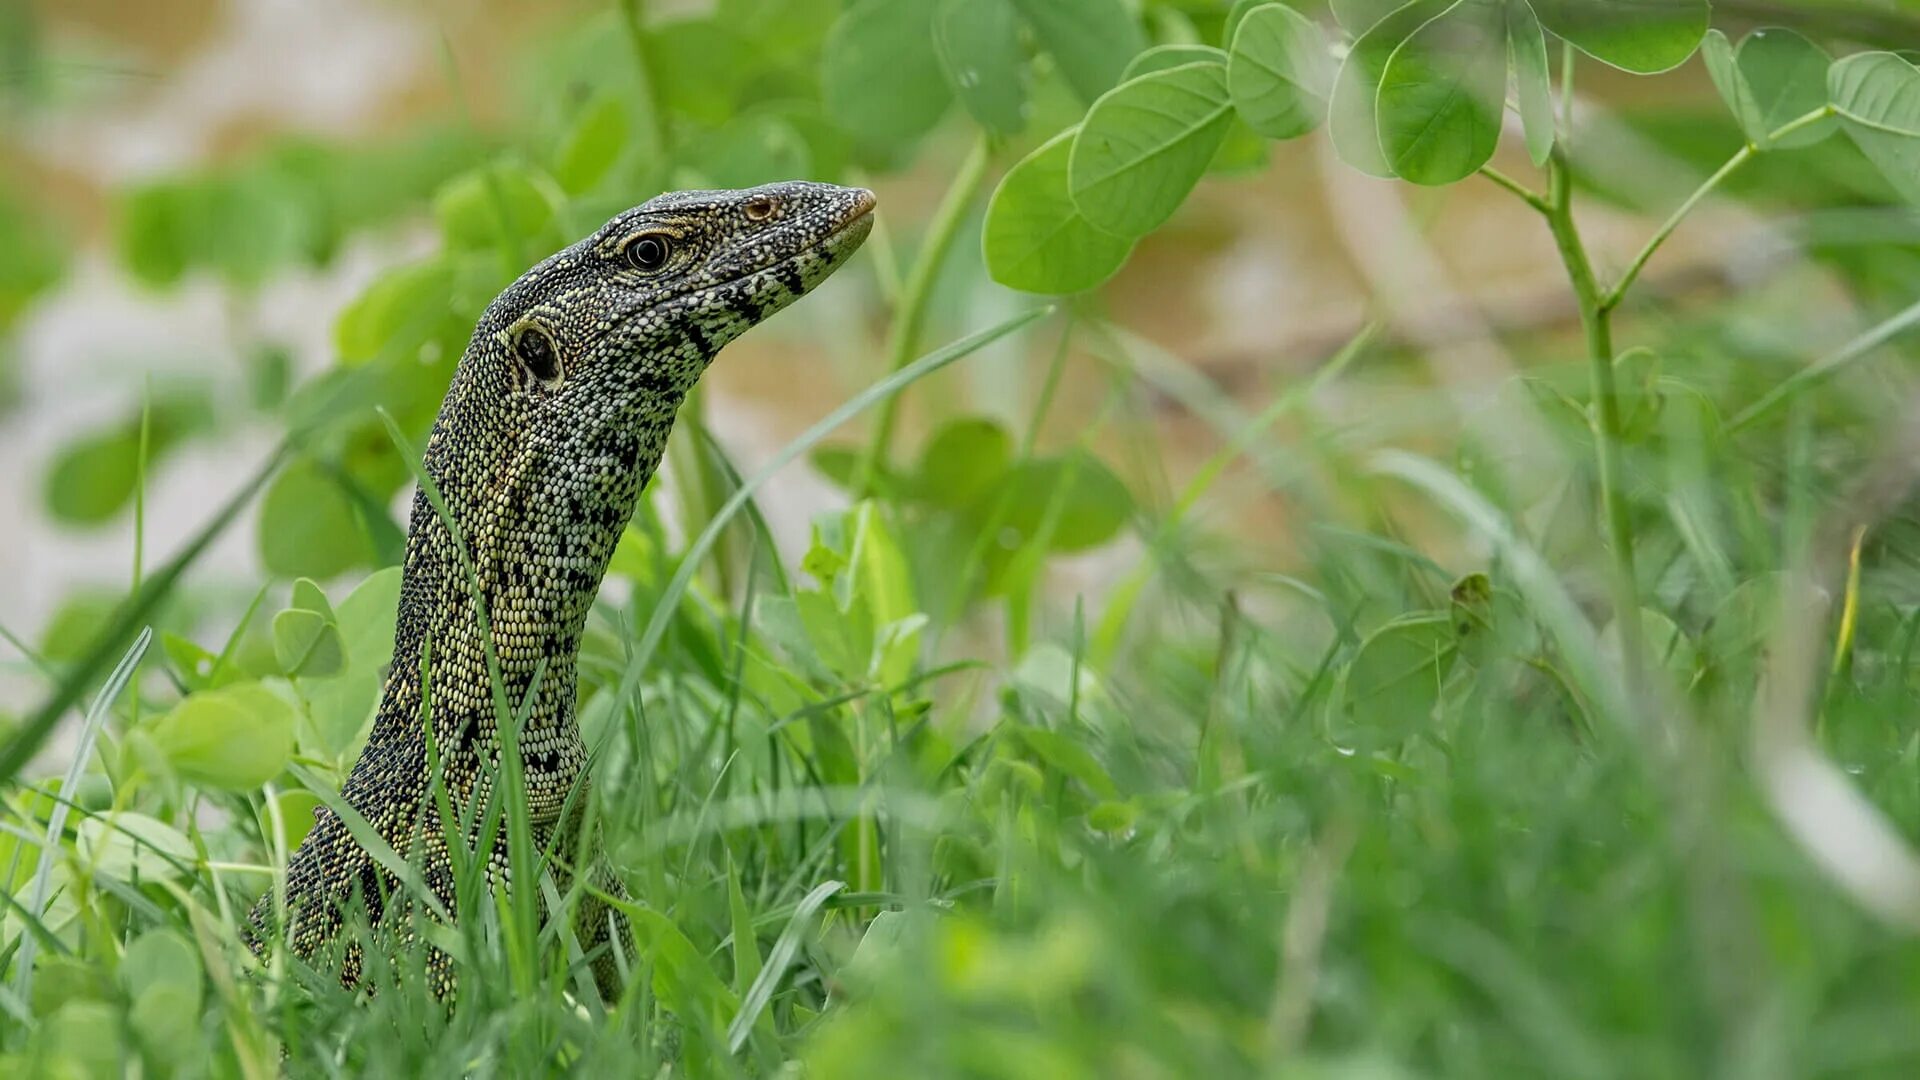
592,144
402,310
161,971
234,738
366,619
308,526
1146,144
1086,503
1091,40
1035,238
1440,94
979,44
1279,74
93,477
1877,95
682,978
1533,86
296,809
964,460
1162,57
1244,150
81,616
1235,14
1351,119
129,845
1359,16
1395,677
306,643
167,1020
703,68
880,72
880,948
308,596
507,206
1772,79
339,707
1642,36
37,255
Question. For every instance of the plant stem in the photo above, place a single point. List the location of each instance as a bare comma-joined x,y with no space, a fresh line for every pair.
903,339
1733,165
1597,319
1526,194
1619,291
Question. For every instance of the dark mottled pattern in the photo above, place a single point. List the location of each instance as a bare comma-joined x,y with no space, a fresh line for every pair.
557,416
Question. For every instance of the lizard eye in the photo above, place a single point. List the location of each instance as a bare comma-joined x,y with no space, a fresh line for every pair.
535,349
760,209
648,252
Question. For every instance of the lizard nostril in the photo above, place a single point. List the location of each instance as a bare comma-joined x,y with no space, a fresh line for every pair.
760,209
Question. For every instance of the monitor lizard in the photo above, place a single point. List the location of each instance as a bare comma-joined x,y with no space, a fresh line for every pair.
556,418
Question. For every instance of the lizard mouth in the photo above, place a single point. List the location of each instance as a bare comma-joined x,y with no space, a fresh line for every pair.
854,225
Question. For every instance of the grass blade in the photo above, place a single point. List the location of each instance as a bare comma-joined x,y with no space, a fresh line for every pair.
761,991
57,819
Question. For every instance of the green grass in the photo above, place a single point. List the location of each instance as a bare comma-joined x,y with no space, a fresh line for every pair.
1236,844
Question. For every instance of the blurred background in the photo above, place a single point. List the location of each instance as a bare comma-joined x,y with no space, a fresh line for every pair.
195,192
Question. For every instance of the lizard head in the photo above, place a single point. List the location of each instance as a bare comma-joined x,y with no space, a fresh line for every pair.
635,311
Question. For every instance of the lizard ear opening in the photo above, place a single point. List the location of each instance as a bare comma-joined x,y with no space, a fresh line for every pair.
534,347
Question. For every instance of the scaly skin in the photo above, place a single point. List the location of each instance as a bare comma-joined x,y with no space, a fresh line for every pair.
557,417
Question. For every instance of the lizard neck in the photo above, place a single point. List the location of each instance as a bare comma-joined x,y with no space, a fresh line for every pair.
539,508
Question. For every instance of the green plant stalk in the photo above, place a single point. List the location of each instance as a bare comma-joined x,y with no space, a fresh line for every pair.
1853,350
1597,319
911,314
1734,164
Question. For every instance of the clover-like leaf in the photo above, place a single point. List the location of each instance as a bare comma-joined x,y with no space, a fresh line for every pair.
1035,238
1351,120
234,738
1394,679
1145,144
1091,40
1641,36
1279,72
979,46
880,73
1877,95
1162,57
1533,87
1773,78
1441,92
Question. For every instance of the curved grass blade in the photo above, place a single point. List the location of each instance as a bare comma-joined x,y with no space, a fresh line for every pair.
57,820
770,975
